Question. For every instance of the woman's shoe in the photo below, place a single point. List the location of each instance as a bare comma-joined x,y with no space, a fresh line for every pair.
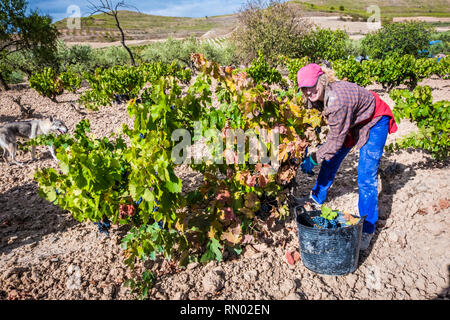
365,240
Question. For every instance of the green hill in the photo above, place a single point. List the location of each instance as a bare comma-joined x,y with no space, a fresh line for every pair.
388,8
145,26
141,26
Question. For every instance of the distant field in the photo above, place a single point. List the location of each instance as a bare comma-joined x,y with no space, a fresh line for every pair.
388,8
140,26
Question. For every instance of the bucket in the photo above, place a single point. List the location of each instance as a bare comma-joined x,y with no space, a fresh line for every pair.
328,251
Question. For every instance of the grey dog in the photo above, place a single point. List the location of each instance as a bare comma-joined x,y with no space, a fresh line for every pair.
28,130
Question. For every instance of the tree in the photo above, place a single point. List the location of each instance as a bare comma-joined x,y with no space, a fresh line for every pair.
271,27
33,36
325,44
401,38
110,8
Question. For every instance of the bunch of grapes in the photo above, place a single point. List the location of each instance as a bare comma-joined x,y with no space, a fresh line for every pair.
123,183
120,98
322,223
103,226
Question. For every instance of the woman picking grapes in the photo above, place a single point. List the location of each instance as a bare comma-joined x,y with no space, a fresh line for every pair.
356,117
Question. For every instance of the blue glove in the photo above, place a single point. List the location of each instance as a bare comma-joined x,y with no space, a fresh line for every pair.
307,165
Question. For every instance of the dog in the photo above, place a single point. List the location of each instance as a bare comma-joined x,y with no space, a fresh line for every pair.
28,130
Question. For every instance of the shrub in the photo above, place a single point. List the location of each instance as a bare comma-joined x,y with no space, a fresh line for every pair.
107,84
26,62
293,65
442,47
260,71
394,70
46,83
168,51
354,48
110,57
272,27
28,35
180,51
353,71
325,44
70,81
224,54
442,68
9,75
49,84
391,71
433,120
79,58
400,38
15,77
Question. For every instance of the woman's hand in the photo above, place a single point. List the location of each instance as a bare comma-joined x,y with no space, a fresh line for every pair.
308,164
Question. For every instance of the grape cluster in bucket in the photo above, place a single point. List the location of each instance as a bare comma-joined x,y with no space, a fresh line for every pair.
332,219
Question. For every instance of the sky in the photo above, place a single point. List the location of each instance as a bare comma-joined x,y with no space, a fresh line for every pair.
60,9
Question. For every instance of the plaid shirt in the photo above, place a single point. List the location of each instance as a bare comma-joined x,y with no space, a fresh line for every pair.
347,107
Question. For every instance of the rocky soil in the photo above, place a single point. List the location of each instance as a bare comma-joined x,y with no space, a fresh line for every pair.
46,254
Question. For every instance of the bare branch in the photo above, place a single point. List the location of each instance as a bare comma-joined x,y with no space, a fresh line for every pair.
110,8
102,7
9,44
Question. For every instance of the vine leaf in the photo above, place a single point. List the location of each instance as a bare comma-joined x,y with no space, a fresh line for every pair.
212,251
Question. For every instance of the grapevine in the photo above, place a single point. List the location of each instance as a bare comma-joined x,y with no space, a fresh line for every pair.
433,121
106,179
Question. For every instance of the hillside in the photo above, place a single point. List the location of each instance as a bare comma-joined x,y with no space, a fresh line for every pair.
140,26
388,8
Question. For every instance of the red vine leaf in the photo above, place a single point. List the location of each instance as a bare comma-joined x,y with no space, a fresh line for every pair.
262,180
422,212
444,203
289,258
227,214
223,195
286,174
251,180
232,235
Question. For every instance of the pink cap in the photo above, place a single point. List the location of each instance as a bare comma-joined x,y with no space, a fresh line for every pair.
308,75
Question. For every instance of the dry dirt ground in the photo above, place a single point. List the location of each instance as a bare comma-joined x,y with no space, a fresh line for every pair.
46,254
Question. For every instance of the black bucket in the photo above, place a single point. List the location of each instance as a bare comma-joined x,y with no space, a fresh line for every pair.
328,251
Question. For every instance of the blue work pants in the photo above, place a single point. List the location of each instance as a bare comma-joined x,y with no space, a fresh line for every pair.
369,160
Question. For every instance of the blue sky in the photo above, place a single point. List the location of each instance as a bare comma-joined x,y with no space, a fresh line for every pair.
58,9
